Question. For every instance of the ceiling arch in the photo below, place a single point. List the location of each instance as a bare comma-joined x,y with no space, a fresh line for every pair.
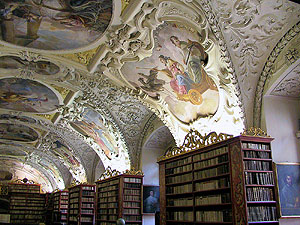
112,87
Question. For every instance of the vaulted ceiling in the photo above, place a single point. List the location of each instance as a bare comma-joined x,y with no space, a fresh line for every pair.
82,82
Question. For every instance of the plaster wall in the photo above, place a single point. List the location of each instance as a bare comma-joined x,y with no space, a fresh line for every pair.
151,175
282,116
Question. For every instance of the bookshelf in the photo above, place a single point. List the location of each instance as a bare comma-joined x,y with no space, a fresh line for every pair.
219,179
60,207
27,204
81,204
119,196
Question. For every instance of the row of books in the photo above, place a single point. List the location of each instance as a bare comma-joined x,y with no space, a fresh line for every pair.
255,146
106,199
180,215
88,188
213,184
180,169
86,199
86,219
188,201
214,216
260,194
88,193
133,180
132,185
26,199
108,194
24,190
108,205
212,199
211,172
132,191
210,154
262,213
211,162
33,211
180,178
108,217
74,195
87,211
87,205
179,189
257,155
259,178
26,207
108,188
132,218
62,201
74,211
257,165
108,183
132,198
74,200
131,211
179,162
108,211
23,216
131,204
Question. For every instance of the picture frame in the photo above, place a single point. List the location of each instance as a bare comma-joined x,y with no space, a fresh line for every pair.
288,189
150,199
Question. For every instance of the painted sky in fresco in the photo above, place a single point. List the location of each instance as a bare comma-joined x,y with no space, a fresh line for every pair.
54,24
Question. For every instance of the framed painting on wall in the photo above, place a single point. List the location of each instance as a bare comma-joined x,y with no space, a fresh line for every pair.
288,182
150,199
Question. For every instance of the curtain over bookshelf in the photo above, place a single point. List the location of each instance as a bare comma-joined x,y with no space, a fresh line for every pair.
119,196
81,204
218,179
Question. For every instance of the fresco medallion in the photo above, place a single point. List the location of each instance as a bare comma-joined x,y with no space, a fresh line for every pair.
16,132
39,67
176,72
54,24
27,96
92,125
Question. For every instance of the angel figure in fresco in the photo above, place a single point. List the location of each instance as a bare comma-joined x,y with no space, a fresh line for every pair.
180,82
92,130
194,55
152,83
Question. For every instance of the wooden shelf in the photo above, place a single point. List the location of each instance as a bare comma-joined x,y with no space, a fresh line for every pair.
228,187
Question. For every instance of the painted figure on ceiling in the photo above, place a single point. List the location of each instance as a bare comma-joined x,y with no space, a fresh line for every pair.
194,57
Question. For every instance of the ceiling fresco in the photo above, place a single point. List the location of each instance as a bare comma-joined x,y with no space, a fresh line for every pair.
40,67
20,133
27,96
176,73
84,83
54,25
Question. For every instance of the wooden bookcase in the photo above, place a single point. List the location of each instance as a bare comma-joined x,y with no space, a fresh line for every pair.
119,196
60,207
218,179
27,204
81,204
